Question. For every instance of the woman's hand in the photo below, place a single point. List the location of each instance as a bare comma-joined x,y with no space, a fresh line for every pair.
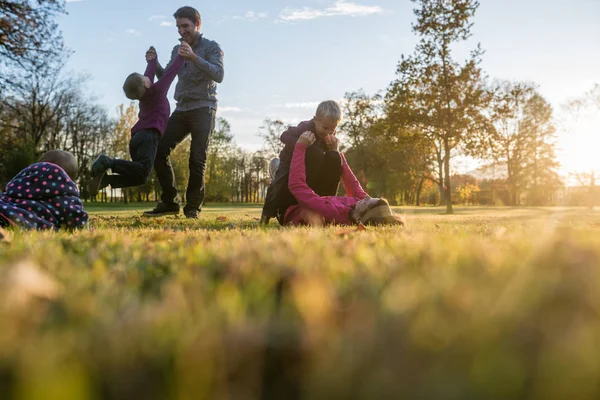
307,138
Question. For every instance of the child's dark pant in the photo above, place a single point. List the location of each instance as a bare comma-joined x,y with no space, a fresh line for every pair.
142,148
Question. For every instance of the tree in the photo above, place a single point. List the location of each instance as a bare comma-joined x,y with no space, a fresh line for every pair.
585,106
259,167
441,99
521,138
37,97
119,142
43,109
21,155
180,157
360,113
271,131
126,119
538,132
28,32
386,155
467,192
221,142
506,143
87,130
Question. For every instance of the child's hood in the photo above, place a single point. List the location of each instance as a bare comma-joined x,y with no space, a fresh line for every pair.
41,181
291,135
42,196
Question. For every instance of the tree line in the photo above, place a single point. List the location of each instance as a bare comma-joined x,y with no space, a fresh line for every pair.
403,142
406,140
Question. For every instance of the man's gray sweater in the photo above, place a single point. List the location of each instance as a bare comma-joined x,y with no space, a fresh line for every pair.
197,80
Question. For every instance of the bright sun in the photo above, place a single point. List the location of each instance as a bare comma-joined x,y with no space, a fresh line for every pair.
579,145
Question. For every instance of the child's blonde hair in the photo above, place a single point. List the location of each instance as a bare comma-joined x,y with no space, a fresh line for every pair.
329,109
134,87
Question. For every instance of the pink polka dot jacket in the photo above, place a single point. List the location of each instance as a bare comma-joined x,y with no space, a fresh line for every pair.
42,196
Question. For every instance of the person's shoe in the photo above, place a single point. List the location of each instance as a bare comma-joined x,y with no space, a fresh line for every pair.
264,219
192,214
100,165
98,170
96,184
163,209
273,166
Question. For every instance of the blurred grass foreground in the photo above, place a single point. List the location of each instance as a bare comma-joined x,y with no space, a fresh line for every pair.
484,304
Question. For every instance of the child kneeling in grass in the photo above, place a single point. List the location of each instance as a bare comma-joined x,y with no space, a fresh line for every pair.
324,124
145,134
44,195
355,208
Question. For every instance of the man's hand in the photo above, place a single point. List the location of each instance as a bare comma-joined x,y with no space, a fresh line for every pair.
331,142
307,138
185,51
151,53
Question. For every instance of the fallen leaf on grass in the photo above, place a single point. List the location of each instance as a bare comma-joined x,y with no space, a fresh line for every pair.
347,231
4,236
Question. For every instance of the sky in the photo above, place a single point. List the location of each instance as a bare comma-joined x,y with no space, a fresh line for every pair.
283,57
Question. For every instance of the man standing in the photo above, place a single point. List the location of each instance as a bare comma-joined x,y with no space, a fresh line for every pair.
194,114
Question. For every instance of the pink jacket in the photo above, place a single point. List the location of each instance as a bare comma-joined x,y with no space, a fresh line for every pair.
313,208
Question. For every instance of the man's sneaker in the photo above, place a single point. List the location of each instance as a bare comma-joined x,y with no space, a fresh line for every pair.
100,165
192,214
273,166
163,209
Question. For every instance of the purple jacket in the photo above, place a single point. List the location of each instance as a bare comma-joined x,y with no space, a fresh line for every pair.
42,196
311,207
154,106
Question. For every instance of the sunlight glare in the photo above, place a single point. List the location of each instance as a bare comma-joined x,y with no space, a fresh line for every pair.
579,145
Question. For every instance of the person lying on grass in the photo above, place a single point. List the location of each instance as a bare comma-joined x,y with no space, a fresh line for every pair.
357,207
44,195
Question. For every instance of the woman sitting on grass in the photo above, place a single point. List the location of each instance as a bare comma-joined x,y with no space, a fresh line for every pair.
353,209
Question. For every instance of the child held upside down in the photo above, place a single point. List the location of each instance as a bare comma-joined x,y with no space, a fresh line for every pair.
44,195
146,133
354,208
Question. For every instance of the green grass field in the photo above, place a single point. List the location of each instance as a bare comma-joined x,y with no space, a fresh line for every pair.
488,303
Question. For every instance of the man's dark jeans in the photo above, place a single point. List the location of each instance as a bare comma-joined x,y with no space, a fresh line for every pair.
142,149
200,124
323,173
